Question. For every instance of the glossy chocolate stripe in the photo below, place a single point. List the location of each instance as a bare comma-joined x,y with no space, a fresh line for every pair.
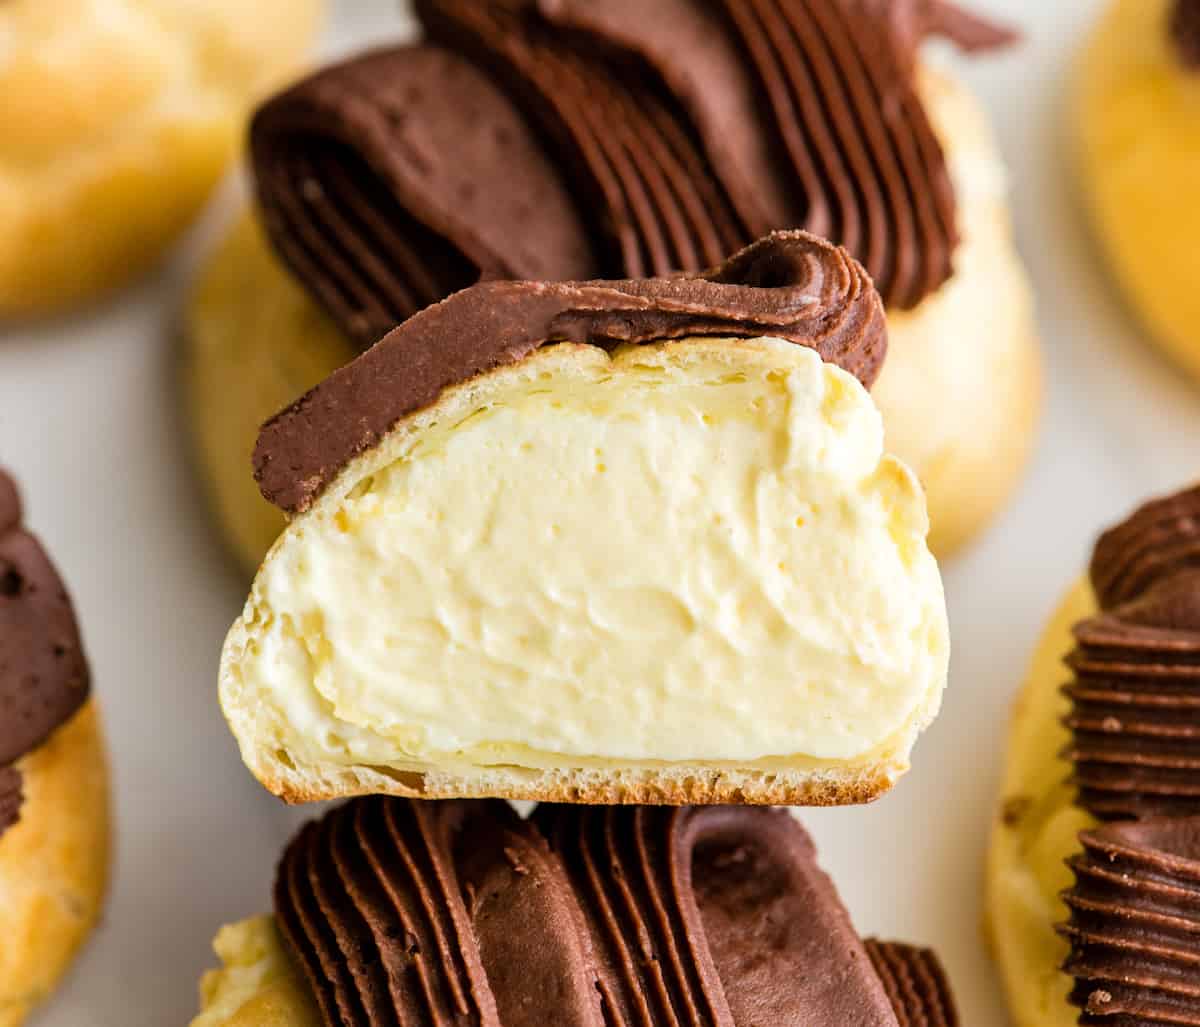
1184,29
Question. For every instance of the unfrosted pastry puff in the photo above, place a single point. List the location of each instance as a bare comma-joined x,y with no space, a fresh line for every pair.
1137,129
119,118
961,391
1093,873
449,913
54,820
545,569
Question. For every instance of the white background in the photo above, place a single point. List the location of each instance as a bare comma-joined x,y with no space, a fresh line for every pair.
91,420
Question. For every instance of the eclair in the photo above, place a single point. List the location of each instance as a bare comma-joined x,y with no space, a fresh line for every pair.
460,912
54,819
603,541
628,141
1093,881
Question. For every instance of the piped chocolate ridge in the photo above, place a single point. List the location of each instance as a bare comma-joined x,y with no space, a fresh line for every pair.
915,983
790,285
1185,32
1135,696
1135,924
622,140
439,913
43,673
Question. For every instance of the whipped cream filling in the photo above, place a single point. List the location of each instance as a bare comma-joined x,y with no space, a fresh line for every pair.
689,551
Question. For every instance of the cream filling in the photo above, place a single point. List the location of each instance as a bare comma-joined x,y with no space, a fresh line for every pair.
686,552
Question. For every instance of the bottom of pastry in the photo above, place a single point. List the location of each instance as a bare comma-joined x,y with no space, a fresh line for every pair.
460,912
53,863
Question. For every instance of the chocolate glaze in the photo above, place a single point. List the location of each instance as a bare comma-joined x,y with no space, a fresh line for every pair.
380,181
43,672
10,797
1135,716
790,285
1135,924
1185,32
625,140
440,913
915,984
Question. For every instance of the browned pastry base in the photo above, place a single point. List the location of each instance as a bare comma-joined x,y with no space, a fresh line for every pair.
53,864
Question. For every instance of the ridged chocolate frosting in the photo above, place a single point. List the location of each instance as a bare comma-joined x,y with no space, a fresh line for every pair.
1135,924
1185,32
915,983
790,285
433,914
43,672
1135,716
623,139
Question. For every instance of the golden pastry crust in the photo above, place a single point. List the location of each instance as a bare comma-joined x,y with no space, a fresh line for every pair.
1136,123
119,118
1036,827
960,393
53,863
254,342
961,387
257,985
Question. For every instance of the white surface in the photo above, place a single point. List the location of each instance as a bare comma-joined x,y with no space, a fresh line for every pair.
90,420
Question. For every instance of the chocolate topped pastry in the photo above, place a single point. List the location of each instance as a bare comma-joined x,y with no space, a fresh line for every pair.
43,672
1135,715
789,285
440,913
53,774
1185,31
542,533
1135,923
678,131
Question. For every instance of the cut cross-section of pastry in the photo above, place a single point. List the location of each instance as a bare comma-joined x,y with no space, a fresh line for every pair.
621,541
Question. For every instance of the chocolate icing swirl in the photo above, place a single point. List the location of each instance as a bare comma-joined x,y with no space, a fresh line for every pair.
439,913
377,181
790,285
1135,923
43,673
1185,32
915,984
1135,716
670,133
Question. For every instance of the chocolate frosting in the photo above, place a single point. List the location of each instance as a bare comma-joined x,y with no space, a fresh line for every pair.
43,672
790,285
915,984
1185,32
377,179
440,913
1135,923
1135,716
625,140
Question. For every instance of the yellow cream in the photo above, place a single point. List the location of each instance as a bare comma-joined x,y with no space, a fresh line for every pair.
685,552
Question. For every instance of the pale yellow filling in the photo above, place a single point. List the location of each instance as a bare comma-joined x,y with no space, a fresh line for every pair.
686,552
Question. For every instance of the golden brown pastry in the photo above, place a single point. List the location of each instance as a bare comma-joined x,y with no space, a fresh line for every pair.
119,118
1136,122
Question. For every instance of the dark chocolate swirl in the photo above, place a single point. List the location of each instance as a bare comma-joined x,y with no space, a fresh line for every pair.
440,913
915,984
790,285
1135,716
1185,32
43,672
623,140
1135,924
377,179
